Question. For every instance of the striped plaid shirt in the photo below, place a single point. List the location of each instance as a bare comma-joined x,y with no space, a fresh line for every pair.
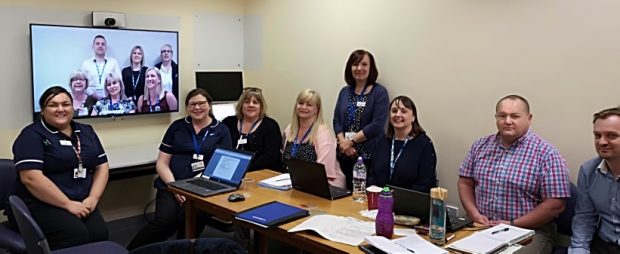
510,182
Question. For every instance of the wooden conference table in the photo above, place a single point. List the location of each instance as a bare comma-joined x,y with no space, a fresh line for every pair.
308,240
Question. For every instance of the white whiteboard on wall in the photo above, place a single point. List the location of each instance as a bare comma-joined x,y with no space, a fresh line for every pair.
218,42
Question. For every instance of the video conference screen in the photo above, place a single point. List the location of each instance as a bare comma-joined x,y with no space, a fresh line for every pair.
109,72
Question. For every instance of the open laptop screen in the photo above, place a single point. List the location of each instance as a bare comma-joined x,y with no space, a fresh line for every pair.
227,166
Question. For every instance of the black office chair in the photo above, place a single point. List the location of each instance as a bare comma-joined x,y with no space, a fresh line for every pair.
10,239
37,244
564,221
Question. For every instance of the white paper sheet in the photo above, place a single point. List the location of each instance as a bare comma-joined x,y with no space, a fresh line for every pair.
409,244
349,230
279,182
419,245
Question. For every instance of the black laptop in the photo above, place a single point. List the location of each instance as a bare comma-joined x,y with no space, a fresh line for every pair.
222,174
418,204
310,177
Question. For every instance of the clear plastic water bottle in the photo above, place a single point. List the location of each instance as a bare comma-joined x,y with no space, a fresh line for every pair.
359,180
384,222
437,220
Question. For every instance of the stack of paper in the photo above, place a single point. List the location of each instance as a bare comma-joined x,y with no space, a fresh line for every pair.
279,182
492,239
348,230
405,245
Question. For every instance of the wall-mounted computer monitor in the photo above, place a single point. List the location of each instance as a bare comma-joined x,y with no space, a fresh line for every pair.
221,85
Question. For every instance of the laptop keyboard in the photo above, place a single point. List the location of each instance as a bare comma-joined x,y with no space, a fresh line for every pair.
206,184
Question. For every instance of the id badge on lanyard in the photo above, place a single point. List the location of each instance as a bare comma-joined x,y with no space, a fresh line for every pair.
198,166
79,171
198,163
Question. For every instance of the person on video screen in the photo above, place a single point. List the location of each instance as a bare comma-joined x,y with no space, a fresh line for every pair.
169,70
155,98
99,66
115,101
82,102
133,75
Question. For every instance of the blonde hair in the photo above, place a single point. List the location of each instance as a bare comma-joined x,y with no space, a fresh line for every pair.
108,80
247,94
304,96
159,88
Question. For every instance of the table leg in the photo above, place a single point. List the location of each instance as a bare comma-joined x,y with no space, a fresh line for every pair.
190,219
263,242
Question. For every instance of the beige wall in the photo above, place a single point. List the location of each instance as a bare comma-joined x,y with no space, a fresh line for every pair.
455,59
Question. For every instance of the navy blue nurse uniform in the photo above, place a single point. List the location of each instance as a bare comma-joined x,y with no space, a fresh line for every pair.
179,142
40,146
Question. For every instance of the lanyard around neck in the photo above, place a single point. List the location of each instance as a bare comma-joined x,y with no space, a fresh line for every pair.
392,159
78,151
296,144
352,107
100,72
135,81
241,126
198,146
153,108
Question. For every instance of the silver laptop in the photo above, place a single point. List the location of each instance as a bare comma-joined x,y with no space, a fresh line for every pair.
310,177
222,174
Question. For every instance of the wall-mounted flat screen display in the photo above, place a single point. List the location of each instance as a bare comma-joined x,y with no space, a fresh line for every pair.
109,72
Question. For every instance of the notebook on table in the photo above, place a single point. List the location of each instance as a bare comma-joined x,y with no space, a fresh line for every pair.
492,240
418,204
271,214
222,174
310,177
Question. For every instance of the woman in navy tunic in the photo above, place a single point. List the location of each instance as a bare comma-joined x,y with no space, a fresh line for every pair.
406,156
63,171
188,142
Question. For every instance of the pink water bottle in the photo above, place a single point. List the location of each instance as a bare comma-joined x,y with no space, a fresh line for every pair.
384,223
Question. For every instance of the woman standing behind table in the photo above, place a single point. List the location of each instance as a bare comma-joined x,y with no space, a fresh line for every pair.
155,98
406,156
359,116
63,171
115,102
82,103
134,74
252,130
185,150
308,138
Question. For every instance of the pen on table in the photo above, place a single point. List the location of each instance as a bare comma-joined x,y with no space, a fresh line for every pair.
285,179
500,230
450,237
410,250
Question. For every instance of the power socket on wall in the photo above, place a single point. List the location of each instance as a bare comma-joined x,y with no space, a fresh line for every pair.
452,210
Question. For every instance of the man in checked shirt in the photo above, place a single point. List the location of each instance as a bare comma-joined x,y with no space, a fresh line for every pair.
515,177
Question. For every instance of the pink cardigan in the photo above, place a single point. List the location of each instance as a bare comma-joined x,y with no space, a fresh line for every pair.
325,148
